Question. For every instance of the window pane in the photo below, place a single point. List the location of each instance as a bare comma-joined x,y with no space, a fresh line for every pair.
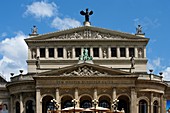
60,52
51,52
95,52
113,52
78,52
42,52
122,52
131,52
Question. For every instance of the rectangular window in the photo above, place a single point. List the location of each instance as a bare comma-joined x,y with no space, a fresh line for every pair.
113,52
78,52
60,52
42,52
122,52
51,52
95,52
131,52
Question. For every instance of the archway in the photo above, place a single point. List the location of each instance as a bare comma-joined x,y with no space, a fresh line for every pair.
66,102
104,101
155,106
17,107
47,104
143,106
124,103
29,106
85,102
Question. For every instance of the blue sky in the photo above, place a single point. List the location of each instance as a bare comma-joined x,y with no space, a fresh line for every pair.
18,17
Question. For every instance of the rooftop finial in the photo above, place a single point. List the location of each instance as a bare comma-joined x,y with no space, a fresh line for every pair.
86,14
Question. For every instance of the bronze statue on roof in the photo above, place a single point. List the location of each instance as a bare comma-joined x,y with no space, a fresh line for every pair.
87,14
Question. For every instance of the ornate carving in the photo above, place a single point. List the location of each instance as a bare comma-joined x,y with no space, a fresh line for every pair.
84,71
86,34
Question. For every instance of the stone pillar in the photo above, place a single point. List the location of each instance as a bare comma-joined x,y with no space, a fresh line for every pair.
38,52
57,94
38,103
64,53
46,52
127,52
11,104
136,52
151,103
82,49
73,52
76,96
113,97
100,52
55,52
21,104
162,104
118,52
29,53
133,105
144,52
91,51
109,52
95,94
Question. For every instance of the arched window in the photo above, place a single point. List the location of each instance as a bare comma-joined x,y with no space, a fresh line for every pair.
67,104
17,107
104,103
143,106
29,106
155,107
86,104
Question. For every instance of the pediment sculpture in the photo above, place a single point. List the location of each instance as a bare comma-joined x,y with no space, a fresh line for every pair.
84,71
87,34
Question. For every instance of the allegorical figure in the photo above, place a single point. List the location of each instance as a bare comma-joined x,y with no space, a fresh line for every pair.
37,62
139,30
34,30
87,14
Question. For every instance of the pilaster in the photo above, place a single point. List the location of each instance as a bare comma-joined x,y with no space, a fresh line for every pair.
136,52
76,96
73,52
100,52
55,52
151,103
58,97
29,53
127,52
21,104
109,52
46,52
118,52
38,104
38,52
144,52
133,101
64,53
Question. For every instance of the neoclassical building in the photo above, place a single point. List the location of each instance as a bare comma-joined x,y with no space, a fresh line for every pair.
86,63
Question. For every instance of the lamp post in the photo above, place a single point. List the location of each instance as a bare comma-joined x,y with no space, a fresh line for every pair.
115,105
74,101
95,102
55,104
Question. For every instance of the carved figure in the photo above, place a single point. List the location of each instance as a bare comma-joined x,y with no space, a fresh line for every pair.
139,29
104,54
140,53
132,62
37,62
87,14
68,54
34,30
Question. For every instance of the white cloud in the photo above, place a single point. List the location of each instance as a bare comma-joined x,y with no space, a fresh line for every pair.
41,9
14,55
166,74
64,23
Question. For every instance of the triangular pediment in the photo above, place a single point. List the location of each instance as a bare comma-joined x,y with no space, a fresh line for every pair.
86,33
84,70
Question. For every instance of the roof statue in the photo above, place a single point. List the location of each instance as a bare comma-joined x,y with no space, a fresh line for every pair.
139,30
86,14
34,31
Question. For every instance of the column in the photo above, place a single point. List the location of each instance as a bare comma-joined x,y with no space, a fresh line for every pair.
29,53
118,52
76,96
46,52
144,52
57,94
73,52
151,103
55,52
82,49
136,52
91,51
100,52
95,93
113,97
133,101
21,104
64,53
11,104
38,51
38,104
109,52
127,52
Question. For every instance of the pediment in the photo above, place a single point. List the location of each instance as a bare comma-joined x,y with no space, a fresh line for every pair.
85,33
84,70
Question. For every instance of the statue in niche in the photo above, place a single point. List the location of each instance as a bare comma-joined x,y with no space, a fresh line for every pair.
85,56
140,53
33,54
104,54
132,62
37,63
68,54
